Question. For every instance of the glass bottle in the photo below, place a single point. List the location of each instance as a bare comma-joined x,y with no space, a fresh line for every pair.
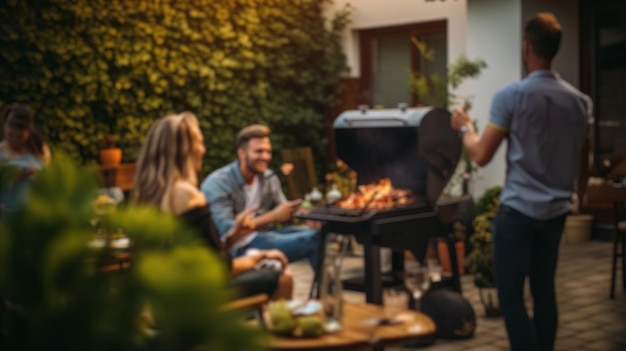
331,292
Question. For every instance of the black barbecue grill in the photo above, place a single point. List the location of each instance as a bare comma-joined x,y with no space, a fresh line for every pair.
418,151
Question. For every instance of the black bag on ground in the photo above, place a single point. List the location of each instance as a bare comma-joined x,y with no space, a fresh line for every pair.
452,313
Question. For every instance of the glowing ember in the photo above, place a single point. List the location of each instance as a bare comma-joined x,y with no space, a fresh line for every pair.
375,196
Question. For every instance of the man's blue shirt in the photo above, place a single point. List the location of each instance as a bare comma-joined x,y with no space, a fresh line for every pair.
546,120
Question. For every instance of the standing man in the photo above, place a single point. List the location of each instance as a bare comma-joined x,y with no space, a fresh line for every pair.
545,121
248,182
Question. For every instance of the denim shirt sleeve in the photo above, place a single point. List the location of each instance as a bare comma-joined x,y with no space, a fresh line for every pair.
218,194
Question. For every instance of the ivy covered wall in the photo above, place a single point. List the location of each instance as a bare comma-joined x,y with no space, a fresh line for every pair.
97,67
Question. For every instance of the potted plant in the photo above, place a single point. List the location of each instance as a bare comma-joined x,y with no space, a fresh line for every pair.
481,254
438,91
56,296
110,155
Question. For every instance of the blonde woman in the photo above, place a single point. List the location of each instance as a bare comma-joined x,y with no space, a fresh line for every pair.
166,177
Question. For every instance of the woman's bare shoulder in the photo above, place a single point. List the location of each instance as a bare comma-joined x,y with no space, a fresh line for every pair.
186,196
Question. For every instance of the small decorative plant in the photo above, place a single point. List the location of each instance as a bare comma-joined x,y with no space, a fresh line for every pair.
343,177
109,154
108,141
438,91
481,254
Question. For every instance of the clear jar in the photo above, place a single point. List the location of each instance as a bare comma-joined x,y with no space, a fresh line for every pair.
331,290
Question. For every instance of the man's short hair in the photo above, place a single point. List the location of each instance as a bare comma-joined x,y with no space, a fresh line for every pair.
251,132
543,33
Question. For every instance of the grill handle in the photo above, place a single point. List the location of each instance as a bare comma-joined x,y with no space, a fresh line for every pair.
366,119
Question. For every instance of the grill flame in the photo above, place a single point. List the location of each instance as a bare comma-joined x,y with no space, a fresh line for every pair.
379,195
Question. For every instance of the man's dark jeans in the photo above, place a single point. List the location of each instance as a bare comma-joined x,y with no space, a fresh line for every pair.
524,246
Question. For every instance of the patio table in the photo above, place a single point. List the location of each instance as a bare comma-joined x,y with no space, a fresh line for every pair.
360,331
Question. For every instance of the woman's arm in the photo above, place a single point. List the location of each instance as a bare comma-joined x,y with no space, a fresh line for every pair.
46,156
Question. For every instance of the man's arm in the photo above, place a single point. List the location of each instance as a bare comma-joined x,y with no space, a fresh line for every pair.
244,225
221,203
481,149
280,213
282,210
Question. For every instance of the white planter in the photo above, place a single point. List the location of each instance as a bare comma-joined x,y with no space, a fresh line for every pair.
577,228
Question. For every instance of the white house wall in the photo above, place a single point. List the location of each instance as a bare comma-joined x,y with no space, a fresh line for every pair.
368,14
494,31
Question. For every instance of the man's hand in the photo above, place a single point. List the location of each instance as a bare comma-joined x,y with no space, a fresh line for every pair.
481,149
284,211
247,262
459,118
243,221
244,225
277,255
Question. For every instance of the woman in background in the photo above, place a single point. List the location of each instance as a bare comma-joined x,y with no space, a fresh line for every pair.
166,177
21,147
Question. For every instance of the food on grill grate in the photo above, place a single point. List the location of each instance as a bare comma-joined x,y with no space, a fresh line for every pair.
379,195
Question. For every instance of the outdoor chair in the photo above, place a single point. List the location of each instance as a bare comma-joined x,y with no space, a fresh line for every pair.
619,235
302,178
253,304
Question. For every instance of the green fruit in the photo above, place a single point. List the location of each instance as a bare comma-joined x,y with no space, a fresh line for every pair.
284,327
282,321
310,325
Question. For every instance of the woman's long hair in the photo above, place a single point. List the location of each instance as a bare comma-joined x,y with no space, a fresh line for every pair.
20,116
165,157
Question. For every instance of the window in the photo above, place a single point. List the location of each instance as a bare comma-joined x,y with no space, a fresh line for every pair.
610,82
388,57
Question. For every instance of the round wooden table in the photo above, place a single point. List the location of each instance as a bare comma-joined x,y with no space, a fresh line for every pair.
361,332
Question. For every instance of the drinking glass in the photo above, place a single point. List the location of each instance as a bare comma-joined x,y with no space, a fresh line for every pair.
416,278
435,271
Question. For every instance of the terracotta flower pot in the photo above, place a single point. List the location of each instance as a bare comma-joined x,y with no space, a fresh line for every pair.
110,157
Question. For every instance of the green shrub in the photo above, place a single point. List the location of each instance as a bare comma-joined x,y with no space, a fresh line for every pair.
97,67
481,254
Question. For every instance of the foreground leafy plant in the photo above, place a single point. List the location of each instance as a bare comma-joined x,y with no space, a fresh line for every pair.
55,296
481,255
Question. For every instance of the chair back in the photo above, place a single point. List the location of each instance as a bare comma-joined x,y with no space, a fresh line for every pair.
302,178
619,208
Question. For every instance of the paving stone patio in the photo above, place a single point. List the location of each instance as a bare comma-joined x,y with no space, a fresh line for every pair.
589,320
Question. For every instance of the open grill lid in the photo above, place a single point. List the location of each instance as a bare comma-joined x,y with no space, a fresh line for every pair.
414,147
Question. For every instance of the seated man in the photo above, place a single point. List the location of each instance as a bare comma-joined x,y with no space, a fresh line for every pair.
248,182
